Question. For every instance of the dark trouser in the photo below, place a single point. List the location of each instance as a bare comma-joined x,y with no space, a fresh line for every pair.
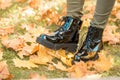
101,13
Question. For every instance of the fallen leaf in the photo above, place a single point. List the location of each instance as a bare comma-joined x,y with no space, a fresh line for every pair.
104,63
66,61
20,0
4,72
15,44
5,3
39,60
51,67
28,12
118,14
110,35
28,50
59,66
24,63
6,30
42,56
1,54
79,70
35,3
35,76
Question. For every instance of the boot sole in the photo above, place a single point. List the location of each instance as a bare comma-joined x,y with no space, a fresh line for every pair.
70,47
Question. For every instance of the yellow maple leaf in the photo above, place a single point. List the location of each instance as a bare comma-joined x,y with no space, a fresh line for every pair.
24,63
40,60
42,56
66,61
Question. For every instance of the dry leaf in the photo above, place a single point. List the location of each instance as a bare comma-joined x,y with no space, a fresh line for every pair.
4,72
66,61
35,32
28,50
28,12
118,14
110,35
79,70
15,44
20,0
51,67
104,63
51,16
28,37
35,3
35,76
5,3
59,66
6,30
1,54
24,63
42,56
40,60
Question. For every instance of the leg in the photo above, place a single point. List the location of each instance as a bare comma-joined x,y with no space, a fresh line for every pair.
74,8
102,12
93,42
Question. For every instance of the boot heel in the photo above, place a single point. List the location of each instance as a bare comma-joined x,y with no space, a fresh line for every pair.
70,47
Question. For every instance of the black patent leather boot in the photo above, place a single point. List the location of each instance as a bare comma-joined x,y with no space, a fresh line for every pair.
91,46
66,37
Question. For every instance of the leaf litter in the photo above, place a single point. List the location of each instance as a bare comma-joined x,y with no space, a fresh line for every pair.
25,45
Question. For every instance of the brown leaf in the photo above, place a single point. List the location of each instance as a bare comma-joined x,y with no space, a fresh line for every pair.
6,30
79,70
51,16
5,3
4,72
20,0
104,63
35,3
110,35
51,67
59,66
24,63
16,44
1,54
35,76
28,50
118,14
42,56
